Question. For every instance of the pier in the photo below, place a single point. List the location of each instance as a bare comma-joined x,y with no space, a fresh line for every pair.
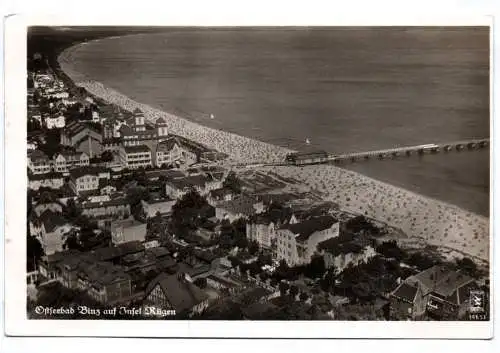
411,150
389,153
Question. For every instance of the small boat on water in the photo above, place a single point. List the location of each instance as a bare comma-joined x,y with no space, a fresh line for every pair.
308,142
212,116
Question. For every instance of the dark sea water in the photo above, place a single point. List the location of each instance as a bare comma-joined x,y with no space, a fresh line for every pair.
343,89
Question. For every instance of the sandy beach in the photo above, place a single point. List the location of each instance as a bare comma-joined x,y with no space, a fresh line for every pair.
439,223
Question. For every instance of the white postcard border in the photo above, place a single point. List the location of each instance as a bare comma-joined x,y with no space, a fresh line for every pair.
16,322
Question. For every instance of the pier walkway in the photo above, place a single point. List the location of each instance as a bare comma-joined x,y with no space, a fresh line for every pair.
409,150
366,155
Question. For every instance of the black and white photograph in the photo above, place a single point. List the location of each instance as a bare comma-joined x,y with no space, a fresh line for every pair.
258,173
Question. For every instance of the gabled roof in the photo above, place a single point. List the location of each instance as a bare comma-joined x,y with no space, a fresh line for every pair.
160,121
240,205
180,292
74,128
137,111
38,156
168,144
305,229
103,273
405,292
441,280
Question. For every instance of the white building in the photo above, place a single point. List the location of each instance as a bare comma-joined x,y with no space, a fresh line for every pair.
38,162
134,157
55,122
67,160
298,242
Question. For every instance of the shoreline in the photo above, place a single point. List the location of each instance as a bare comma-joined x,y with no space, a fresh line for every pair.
415,214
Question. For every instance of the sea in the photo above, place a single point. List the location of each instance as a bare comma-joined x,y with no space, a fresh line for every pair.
336,89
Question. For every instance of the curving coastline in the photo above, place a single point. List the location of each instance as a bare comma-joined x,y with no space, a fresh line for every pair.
438,223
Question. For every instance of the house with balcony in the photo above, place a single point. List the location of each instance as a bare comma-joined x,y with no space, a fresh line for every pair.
202,183
172,152
48,180
39,162
83,181
67,160
134,157
106,206
298,242
262,228
239,207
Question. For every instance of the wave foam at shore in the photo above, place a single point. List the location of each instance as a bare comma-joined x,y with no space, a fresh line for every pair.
439,223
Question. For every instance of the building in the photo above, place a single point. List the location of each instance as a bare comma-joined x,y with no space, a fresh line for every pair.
307,157
82,138
340,260
127,230
161,206
298,242
134,157
49,180
50,228
105,282
262,228
66,160
241,207
438,292
83,180
105,205
175,292
38,162
55,122
219,195
172,152
203,184
135,132
223,284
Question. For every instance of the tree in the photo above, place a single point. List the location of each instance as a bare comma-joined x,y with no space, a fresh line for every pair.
294,290
303,296
328,281
467,266
283,286
316,268
186,213
253,247
232,183
71,210
34,252
421,261
107,156
390,249
136,194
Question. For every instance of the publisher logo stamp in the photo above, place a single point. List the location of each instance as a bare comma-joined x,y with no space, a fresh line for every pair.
476,301
477,305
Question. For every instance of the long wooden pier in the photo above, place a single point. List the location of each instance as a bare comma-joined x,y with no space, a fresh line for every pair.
409,150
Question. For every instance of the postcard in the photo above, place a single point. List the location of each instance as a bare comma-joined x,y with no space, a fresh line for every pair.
318,181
